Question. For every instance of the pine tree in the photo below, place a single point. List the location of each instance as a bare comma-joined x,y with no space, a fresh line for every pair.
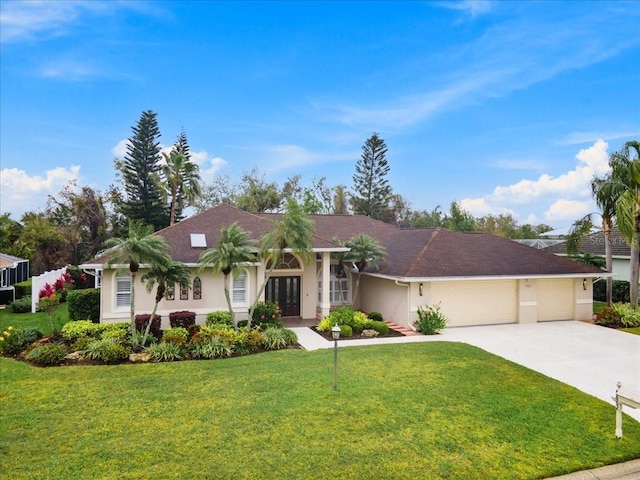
182,146
143,196
372,191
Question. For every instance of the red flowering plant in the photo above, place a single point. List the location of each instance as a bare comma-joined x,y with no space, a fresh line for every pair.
51,295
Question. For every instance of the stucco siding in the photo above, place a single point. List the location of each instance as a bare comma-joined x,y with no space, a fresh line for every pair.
476,302
386,297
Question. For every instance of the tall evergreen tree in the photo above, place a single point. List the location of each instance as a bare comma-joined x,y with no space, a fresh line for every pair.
143,196
372,191
182,146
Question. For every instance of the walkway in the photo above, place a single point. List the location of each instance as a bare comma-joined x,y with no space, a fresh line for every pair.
588,357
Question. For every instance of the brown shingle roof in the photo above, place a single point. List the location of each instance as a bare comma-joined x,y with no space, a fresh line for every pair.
594,244
411,253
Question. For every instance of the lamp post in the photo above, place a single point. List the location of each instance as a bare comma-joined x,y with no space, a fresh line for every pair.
335,333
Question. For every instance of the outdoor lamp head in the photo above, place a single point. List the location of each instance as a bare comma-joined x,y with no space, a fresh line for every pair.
335,331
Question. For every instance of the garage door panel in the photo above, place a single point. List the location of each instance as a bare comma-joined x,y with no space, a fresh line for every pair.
555,300
477,303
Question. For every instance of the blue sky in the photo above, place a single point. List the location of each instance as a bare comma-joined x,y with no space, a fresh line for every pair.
505,106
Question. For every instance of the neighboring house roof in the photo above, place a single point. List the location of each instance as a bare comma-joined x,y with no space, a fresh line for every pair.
9,261
594,244
411,253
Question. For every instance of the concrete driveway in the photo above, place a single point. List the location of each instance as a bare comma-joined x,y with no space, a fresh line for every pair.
588,357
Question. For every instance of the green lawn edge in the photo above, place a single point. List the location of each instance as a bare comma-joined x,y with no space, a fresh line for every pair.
429,410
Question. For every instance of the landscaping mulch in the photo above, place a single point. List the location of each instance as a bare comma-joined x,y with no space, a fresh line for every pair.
327,335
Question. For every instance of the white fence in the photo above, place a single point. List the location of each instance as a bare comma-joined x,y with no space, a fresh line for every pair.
38,284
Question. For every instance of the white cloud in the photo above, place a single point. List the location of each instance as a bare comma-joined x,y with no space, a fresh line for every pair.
559,198
472,7
120,149
566,210
21,192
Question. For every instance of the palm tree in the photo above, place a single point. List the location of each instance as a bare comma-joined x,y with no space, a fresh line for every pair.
341,271
625,166
234,248
163,274
294,232
180,179
605,192
364,250
139,248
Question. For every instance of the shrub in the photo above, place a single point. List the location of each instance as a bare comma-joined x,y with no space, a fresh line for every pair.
216,347
22,305
23,289
72,331
184,319
107,351
609,317
142,321
165,352
248,341
117,334
359,322
274,338
430,320
619,292
148,341
219,317
15,340
629,317
266,312
80,280
48,354
376,316
175,335
84,304
380,327
325,325
346,331
81,344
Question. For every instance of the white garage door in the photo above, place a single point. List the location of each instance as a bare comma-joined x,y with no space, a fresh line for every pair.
477,303
555,300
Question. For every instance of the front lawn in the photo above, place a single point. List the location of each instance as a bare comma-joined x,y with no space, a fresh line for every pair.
432,410
39,320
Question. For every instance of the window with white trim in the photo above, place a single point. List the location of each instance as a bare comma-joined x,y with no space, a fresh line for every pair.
123,291
239,288
339,291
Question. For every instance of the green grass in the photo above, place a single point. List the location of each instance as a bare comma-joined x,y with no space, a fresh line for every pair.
634,330
429,410
38,320
598,306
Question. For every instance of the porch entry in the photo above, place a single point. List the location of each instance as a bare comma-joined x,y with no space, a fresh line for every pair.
285,291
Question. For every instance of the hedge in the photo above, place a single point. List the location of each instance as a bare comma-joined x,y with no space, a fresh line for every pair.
22,289
620,292
84,304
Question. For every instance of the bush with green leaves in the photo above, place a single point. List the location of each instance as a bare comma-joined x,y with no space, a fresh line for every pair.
120,335
47,354
219,317
381,327
376,316
275,338
15,340
266,312
84,304
346,331
248,341
325,325
72,331
81,344
215,347
21,305
175,335
629,316
165,352
430,319
107,350
23,289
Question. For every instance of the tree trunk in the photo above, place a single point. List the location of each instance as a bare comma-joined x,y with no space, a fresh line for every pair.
227,295
134,338
148,328
172,217
356,290
633,280
606,227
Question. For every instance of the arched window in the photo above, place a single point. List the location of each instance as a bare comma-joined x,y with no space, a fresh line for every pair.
287,261
184,293
239,288
197,288
170,294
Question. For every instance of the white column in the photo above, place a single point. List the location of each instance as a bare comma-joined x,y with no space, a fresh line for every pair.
325,306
